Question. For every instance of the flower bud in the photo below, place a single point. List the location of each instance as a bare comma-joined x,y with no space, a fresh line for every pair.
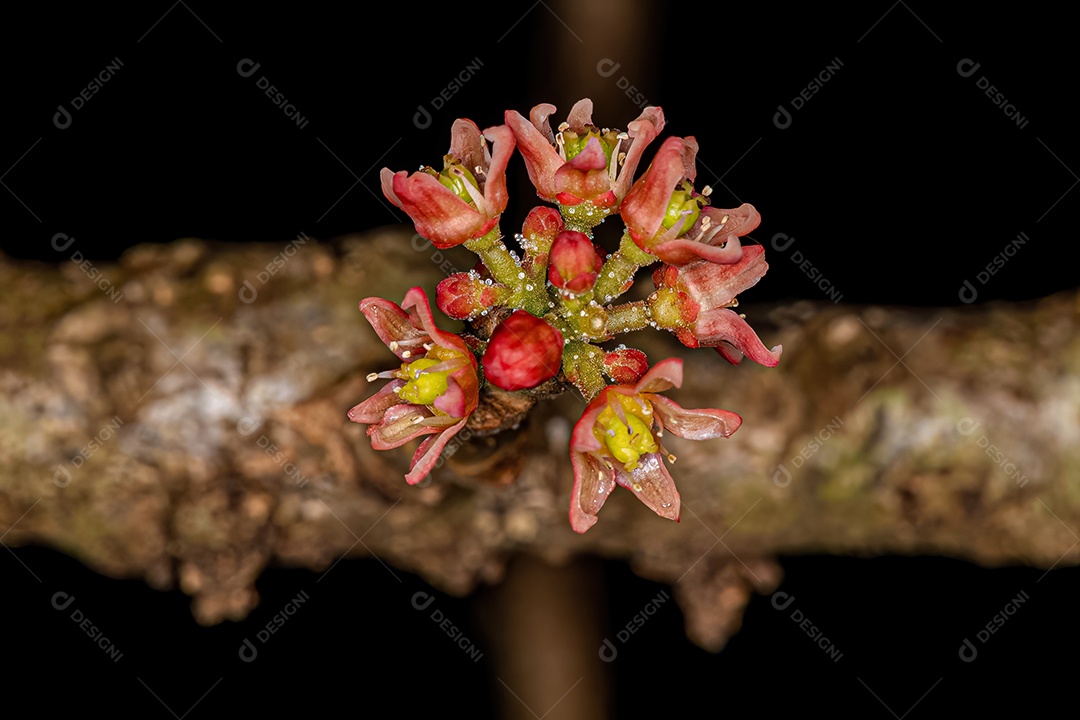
625,365
523,352
542,224
463,296
574,262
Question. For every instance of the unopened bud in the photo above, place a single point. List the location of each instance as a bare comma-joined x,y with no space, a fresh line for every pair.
523,352
463,296
574,262
626,365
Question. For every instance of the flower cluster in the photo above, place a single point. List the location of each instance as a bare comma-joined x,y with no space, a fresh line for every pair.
537,322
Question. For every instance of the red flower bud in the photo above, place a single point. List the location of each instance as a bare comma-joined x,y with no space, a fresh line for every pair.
574,262
542,224
523,352
625,365
463,296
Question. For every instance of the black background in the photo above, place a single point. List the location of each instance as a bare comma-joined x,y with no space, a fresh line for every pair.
899,180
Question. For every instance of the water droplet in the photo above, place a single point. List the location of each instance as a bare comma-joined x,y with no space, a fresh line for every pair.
637,487
665,505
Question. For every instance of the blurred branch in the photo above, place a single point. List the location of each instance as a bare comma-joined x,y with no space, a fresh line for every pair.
180,417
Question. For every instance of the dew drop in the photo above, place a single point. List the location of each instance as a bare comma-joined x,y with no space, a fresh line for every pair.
665,505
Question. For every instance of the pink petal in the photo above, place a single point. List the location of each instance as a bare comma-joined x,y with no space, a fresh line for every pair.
740,221
398,426
438,213
713,285
425,456
657,488
681,251
541,159
722,325
503,143
594,480
416,303
393,325
371,411
585,176
642,132
644,207
580,117
698,424
453,401
466,144
540,117
582,438
662,376
386,178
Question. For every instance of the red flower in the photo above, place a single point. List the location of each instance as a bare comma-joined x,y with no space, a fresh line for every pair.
710,291
574,262
463,201
582,163
432,393
668,219
523,352
614,443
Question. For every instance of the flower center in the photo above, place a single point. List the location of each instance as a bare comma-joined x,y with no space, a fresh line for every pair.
623,427
457,178
574,144
423,386
683,202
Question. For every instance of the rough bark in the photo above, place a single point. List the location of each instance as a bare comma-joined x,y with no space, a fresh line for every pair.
185,436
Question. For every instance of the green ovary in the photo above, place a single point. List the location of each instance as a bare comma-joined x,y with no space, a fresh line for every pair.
627,442
455,182
682,200
422,388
